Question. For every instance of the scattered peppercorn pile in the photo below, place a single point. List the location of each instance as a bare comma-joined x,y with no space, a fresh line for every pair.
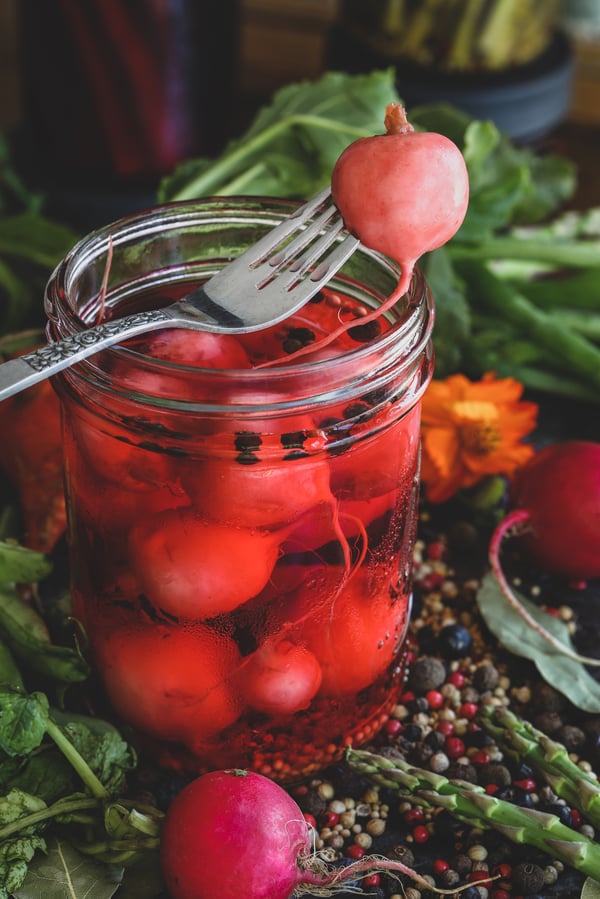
455,669
455,666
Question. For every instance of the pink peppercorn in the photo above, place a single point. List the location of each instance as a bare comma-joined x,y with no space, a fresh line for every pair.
310,820
445,727
393,727
355,852
527,784
436,550
491,789
454,747
576,817
503,870
500,894
440,866
420,834
457,679
435,699
329,819
480,758
413,814
371,880
468,710
407,697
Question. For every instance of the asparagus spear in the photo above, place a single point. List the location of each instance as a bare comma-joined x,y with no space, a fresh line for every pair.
471,804
525,742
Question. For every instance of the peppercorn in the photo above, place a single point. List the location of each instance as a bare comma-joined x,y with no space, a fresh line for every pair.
495,774
428,673
402,853
547,699
527,878
573,738
455,641
485,678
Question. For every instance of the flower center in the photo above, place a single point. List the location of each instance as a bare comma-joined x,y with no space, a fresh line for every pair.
478,425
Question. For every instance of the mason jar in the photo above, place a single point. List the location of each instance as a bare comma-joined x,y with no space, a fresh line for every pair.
241,518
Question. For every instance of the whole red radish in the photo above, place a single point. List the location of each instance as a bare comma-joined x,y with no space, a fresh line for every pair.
170,682
232,834
280,677
555,511
192,568
559,493
402,193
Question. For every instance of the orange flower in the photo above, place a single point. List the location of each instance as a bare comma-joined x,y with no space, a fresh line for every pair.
472,430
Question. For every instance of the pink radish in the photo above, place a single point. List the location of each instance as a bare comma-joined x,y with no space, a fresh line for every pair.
236,833
195,569
172,683
280,678
555,501
403,194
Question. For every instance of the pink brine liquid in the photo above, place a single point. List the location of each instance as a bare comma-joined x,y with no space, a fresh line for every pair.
244,581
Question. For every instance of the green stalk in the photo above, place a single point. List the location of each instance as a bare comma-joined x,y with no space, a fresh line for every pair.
233,162
61,807
471,804
94,785
488,291
526,743
569,253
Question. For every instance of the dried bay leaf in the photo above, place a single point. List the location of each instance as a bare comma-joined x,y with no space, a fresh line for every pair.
566,675
64,873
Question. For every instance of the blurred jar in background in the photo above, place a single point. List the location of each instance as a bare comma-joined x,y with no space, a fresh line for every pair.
116,94
453,34
506,61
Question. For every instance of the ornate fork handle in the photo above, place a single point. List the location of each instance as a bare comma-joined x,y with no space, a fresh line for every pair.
26,370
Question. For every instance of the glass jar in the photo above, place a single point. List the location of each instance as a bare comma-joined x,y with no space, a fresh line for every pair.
240,533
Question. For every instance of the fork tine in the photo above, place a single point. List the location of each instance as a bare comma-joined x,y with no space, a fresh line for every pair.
303,238
267,244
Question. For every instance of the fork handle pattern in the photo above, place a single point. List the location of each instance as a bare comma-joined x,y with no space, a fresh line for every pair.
26,370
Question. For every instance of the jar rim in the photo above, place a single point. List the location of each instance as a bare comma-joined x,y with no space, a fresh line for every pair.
405,339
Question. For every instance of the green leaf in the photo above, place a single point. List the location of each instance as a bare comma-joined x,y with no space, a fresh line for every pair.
27,637
452,312
35,238
566,675
19,565
15,855
290,148
23,721
107,754
63,873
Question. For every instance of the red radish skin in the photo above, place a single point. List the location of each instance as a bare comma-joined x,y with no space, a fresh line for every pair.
280,678
403,194
236,833
195,569
555,512
170,682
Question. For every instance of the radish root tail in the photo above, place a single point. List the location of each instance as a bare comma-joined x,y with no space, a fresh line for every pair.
318,883
515,523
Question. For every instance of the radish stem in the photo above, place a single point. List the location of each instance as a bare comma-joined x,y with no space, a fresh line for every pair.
514,522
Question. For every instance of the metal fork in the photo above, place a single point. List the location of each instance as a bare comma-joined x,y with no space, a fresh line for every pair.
261,287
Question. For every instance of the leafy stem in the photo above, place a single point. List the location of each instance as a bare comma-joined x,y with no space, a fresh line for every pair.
94,785
207,181
62,807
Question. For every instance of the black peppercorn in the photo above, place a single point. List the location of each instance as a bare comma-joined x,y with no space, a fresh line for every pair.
427,673
527,878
